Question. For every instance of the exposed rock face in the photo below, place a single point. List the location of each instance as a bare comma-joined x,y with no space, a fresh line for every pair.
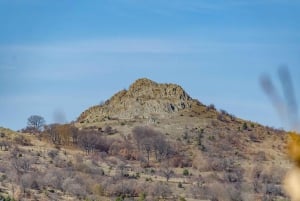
143,99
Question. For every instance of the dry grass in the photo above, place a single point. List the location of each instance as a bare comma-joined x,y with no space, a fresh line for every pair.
227,156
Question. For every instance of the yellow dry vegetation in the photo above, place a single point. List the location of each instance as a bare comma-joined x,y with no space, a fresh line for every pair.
294,147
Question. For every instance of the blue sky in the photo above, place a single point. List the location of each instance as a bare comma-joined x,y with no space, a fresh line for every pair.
57,58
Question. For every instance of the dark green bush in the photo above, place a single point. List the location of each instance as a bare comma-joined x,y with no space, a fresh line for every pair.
185,172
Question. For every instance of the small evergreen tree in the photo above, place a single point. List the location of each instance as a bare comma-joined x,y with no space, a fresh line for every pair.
185,172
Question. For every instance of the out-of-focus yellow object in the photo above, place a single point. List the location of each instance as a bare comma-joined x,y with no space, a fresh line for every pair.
292,179
292,184
293,147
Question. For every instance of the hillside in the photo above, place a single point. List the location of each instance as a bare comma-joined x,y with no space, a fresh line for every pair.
150,142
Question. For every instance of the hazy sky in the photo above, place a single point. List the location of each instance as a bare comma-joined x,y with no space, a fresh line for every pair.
59,57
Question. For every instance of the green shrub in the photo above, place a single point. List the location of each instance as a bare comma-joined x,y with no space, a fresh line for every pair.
2,178
185,172
119,198
148,179
182,199
142,197
2,198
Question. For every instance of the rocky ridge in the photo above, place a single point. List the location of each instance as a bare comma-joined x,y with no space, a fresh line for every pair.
143,100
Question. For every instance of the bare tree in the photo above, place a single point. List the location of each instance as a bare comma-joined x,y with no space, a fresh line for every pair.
36,122
20,168
26,181
162,148
55,177
74,133
122,169
53,133
103,144
148,140
88,141
19,162
143,137
166,170
257,177
160,190
147,147
75,186
139,133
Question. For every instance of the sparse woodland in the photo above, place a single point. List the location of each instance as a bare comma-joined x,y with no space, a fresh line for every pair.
64,163
200,154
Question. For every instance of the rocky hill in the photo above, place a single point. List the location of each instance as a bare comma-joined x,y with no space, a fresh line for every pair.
170,110
144,99
150,142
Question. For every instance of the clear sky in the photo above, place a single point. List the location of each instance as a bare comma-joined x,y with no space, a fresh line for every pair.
59,57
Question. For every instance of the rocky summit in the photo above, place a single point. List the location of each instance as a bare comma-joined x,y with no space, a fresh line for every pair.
143,100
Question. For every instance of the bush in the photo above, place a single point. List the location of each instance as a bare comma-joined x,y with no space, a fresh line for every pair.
52,154
148,179
182,199
211,138
233,177
74,186
273,175
221,117
160,190
120,198
21,140
3,177
273,190
124,188
211,107
181,161
185,172
142,197
2,198
97,189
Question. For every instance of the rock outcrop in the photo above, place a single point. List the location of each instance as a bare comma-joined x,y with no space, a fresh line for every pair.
144,99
